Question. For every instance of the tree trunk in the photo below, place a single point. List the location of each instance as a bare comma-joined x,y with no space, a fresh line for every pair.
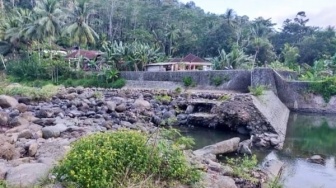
110,32
1,5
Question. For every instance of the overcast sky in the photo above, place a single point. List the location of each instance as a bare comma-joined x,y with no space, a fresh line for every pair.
320,12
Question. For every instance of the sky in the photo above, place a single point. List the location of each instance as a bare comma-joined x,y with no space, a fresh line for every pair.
320,12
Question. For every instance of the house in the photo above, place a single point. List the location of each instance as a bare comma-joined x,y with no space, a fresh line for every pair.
189,62
87,55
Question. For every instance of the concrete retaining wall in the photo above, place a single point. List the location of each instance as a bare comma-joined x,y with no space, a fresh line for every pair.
237,80
294,94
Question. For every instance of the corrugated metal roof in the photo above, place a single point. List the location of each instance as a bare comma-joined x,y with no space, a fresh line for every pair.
90,54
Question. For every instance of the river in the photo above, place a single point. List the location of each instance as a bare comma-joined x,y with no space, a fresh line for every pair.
307,135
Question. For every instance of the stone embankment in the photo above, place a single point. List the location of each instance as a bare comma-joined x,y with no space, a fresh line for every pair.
35,135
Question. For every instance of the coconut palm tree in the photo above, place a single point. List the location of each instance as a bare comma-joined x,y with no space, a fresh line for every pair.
48,24
173,33
79,30
230,16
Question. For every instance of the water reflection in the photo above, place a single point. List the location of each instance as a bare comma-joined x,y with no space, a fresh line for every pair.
307,135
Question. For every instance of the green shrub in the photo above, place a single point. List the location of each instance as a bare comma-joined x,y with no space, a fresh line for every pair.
31,67
242,166
217,81
178,90
119,83
115,159
3,184
188,81
258,90
163,98
326,88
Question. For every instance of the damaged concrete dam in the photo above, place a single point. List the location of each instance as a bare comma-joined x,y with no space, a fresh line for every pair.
263,117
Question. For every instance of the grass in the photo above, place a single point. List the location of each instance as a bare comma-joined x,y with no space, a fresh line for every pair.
163,98
276,183
242,166
44,93
257,90
224,97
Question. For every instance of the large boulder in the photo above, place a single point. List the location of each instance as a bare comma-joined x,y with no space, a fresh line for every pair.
8,102
27,175
218,181
141,104
227,146
52,131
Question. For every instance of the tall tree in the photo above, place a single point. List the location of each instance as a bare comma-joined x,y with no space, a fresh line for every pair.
49,20
79,30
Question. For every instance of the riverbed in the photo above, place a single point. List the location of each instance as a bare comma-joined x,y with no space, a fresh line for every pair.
307,135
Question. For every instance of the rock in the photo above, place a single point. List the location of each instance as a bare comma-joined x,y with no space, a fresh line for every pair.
214,166
3,171
27,175
121,108
169,114
218,181
227,170
190,109
227,146
111,106
29,116
4,118
52,151
118,100
8,102
25,100
157,120
273,168
26,134
127,125
45,113
244,147
21,107
45,121
18,121
275,141
20,161
32,150
7,150
86,95
316,159
70,96
141,104
50,132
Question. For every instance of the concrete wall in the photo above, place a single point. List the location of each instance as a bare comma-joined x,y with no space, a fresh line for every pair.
238,80
296,96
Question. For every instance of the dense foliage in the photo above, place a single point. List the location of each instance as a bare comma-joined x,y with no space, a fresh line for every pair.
168,27
125,157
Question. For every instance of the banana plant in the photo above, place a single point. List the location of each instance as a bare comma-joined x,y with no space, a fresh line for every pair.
111,75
